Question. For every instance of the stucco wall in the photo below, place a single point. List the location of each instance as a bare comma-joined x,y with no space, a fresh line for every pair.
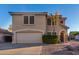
18,22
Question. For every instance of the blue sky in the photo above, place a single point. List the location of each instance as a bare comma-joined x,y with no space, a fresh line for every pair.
71,11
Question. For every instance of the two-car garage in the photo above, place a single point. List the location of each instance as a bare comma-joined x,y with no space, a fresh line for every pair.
28,37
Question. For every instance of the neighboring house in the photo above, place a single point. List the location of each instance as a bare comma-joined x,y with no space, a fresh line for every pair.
74,35
5,36
77,37
28,27
71,37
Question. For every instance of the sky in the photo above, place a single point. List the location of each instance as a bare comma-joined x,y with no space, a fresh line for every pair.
71,11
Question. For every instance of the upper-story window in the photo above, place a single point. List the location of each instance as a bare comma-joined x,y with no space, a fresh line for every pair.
48,21
31,19
28,19
25,19
51,22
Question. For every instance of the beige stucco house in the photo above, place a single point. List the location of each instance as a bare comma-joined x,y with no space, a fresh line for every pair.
28,27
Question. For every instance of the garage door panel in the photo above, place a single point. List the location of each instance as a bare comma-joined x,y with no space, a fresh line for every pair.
29,37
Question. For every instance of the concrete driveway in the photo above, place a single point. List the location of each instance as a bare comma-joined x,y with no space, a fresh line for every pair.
29,49
23,51
16,49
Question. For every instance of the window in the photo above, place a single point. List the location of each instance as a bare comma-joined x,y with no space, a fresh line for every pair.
48,21
31,19
53,33
28,19
49,33
52,22
25,19
61,22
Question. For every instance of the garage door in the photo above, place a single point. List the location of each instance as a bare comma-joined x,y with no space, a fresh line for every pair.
29,37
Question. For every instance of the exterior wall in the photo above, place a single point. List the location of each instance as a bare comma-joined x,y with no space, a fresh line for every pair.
19,26
58,29
39,22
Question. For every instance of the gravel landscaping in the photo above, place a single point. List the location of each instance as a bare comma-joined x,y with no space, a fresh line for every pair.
70,48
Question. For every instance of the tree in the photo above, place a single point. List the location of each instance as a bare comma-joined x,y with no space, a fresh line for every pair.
10,28
74,33
54,19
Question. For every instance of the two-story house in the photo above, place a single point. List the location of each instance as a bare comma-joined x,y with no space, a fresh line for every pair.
28,27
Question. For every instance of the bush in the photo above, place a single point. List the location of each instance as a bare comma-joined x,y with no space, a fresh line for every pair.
50,39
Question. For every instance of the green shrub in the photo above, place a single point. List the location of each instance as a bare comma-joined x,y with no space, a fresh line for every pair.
50,39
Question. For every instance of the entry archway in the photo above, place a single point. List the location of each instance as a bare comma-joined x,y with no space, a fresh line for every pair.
62,36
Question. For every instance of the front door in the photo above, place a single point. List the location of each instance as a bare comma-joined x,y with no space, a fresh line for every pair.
62,37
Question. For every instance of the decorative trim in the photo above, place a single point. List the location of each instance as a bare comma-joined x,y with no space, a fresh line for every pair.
29,29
